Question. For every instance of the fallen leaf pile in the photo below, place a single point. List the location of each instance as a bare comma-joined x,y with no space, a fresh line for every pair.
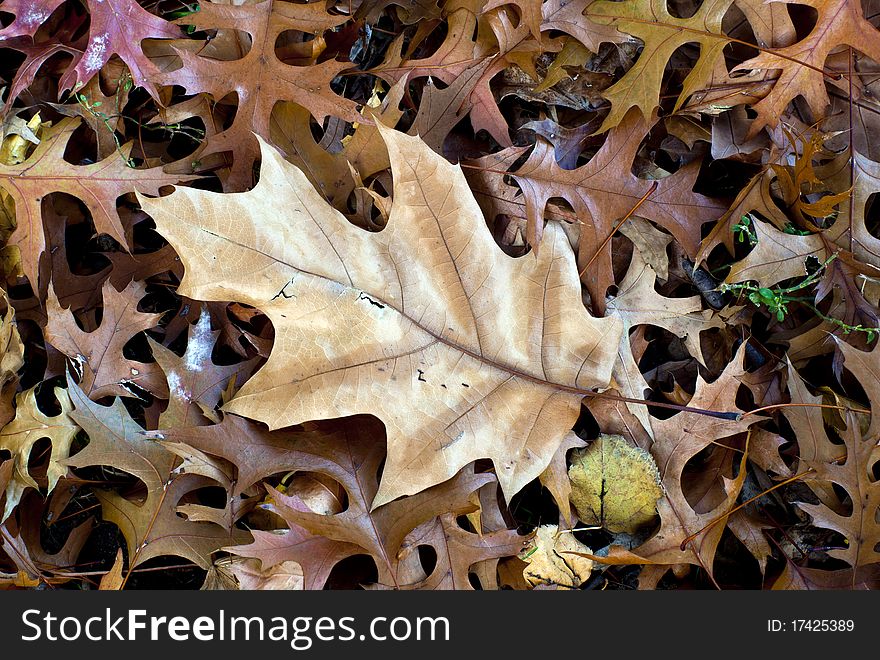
466,294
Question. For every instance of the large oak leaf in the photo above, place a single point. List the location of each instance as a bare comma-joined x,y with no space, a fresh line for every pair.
462,351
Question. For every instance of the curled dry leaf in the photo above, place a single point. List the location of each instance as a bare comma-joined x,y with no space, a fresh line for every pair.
286,576
318,492
462,351
548,559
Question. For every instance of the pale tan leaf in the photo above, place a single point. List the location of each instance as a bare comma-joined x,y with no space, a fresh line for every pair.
112,580
462,351
548,562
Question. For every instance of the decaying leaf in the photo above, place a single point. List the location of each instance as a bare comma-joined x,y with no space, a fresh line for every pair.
614,485
286,576
549,560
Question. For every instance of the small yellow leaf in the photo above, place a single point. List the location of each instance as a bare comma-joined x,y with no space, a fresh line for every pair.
15,147
614,484
573,54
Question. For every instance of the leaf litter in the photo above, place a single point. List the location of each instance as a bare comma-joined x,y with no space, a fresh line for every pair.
573,294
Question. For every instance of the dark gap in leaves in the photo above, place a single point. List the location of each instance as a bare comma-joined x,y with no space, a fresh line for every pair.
620,578
83,247
533,506
593,538
674,75
47,402
137,404
35,360
670,581
845,502
225,110
99,551
184,138
146,239
735,567
804,18
701,478
465,523
82,506
586,427
38,462
212,496
663,346
173,573
736,52
428,558
430,44
872,215
683,8
352,573
723,178
621,257
82,147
